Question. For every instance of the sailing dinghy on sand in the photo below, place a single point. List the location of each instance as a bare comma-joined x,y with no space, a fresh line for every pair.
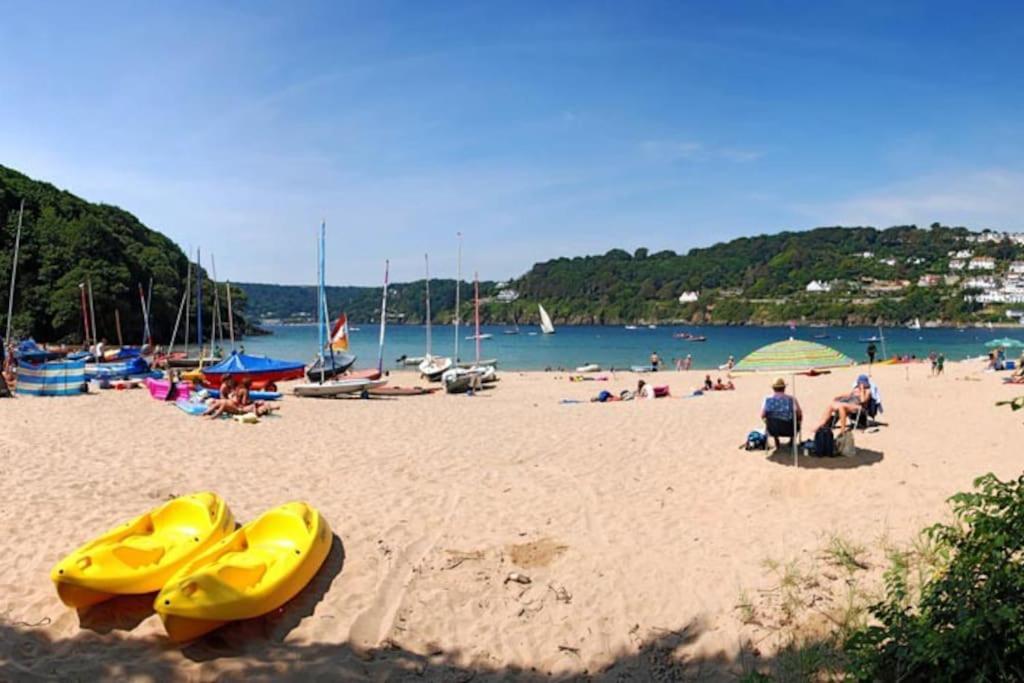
432,367
322,385
459,380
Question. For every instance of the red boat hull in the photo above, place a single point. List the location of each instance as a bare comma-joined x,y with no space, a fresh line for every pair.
259,380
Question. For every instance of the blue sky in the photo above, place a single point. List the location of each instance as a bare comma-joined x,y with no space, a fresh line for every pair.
537,129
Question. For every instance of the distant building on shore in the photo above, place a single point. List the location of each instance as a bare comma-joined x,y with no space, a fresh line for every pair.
818,286
957,264
982,263
1017,268
507,296
929,280
688,297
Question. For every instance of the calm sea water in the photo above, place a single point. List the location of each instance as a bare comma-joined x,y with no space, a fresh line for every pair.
619,347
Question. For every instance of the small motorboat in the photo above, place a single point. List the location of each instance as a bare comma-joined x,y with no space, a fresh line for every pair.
682,335
328,367
511,332
869,340
822,335
630,327
433,367
337,387
697,338
589,367
409,360
481,337
652,327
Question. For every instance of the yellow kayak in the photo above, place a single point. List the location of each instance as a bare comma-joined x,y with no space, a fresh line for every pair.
139,556
253,571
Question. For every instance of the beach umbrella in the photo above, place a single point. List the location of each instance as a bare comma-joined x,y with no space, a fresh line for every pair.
1006,343
792,356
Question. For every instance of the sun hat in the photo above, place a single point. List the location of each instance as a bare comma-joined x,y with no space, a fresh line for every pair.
779,384
864,379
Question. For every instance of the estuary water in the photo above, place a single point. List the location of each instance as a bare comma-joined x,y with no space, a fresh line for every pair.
617,347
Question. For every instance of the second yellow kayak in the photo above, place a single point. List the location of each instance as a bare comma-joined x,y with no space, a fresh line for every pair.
140,555
255,570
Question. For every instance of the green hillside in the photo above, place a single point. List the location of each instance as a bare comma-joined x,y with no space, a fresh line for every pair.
66,240
873,276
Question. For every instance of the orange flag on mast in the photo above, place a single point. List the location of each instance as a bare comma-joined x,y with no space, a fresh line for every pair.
339,335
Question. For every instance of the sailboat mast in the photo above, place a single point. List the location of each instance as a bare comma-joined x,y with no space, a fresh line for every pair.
320,300
476,313
188,301
199,304
426,260
458,287
383,319
85,311
145,316
231,319
216,322
177,321
14,275
92,310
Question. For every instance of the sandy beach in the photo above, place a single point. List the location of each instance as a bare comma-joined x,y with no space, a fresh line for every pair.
638,524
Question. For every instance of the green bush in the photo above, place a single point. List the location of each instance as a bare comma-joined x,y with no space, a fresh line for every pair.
967,623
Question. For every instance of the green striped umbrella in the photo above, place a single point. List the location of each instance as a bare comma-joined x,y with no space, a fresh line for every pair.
792,355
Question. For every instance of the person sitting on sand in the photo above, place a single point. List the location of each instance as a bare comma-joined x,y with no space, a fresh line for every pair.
708,384
858,399
644,390
226,403
246,404
723,386
778,411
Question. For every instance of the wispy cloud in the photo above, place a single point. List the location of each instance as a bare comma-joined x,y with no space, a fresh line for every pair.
674,151
986,198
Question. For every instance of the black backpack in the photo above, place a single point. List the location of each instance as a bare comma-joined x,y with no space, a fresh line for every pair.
824,442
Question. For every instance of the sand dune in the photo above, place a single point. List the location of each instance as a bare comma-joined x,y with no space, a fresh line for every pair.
638,524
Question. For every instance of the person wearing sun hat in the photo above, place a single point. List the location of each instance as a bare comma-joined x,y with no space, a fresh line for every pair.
864,393
778,411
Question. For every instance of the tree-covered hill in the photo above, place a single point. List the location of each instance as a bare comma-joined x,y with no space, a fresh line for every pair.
64,241
760,279
406,301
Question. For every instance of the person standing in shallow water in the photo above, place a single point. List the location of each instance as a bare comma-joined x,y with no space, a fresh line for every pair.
655,361
872,350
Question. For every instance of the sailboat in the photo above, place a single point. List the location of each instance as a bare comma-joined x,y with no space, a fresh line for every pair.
545,321
322,373
915,325
459,380
338,360
432,367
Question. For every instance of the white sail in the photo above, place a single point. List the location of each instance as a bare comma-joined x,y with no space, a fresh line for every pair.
545,321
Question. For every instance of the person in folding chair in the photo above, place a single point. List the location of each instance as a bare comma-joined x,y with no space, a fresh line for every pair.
863,403
778,410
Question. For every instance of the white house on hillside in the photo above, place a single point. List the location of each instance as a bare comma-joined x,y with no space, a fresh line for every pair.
818,286
982,263
688,297
1017,267
956,264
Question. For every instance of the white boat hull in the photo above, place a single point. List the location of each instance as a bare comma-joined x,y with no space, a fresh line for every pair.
433,367
339,387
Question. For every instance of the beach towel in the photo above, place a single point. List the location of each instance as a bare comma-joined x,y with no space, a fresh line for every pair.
189,407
